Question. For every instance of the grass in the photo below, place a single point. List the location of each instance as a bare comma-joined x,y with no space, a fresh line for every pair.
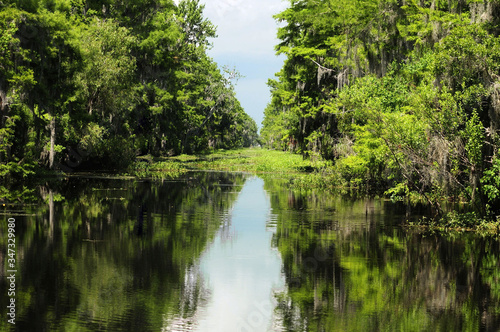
303,173
145,167
300,173
254,160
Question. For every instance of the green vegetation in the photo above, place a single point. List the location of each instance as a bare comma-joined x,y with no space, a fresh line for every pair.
144,168
300,172
93,84
460,222
251,160
401,97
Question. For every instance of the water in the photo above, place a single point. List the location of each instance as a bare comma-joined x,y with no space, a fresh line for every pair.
241,268
234,252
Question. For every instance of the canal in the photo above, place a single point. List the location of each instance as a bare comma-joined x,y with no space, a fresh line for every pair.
215,251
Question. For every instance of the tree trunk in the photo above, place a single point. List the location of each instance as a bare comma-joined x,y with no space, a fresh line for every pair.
3,113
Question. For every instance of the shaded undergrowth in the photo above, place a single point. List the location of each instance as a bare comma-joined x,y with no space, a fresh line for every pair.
459,222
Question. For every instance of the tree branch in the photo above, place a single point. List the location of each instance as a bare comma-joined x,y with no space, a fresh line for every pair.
322,67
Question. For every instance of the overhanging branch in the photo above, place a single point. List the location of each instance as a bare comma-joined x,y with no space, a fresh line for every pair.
320,66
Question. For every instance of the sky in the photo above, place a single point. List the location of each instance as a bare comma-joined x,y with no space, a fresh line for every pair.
246,38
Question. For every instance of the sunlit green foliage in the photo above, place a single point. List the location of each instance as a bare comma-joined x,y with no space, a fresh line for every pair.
251,160
402,96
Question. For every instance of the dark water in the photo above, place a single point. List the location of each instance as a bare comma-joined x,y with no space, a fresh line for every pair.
234,252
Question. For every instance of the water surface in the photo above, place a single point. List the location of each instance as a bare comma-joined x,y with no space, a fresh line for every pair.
242,270
233,252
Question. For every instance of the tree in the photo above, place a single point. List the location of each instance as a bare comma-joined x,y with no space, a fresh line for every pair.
93,84
402,96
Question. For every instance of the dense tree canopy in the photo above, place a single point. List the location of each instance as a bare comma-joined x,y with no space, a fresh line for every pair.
95,83
403,96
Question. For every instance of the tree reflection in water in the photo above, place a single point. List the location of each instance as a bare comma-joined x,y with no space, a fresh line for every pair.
349,266
112,254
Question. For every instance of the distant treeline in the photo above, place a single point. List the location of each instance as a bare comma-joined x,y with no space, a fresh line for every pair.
402,96
95,83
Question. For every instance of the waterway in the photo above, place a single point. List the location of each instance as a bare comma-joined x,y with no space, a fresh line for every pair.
221,252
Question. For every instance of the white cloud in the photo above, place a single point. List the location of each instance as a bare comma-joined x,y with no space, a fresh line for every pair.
227,7
244,27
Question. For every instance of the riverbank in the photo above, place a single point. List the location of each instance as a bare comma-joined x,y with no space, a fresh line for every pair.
251,160
457,222
298,173
293,173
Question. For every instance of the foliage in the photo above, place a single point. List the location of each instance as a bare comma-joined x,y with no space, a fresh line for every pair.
402,97
250,160
491,185
92,85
